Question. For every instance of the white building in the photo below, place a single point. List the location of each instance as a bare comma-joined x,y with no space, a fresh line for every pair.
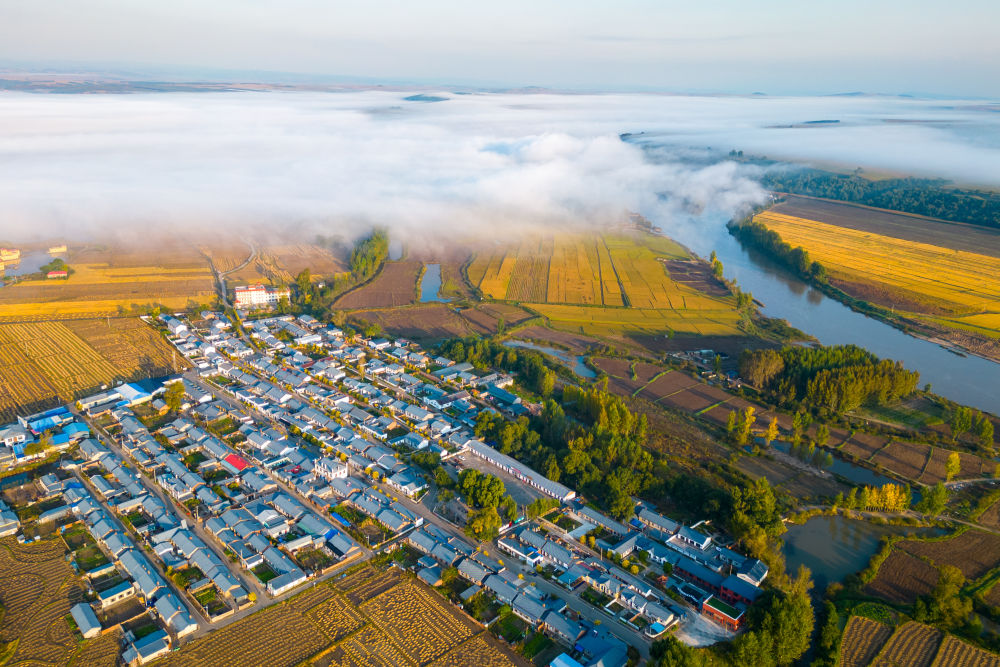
252,296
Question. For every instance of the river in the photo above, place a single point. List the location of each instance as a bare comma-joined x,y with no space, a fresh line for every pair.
969,380
833,547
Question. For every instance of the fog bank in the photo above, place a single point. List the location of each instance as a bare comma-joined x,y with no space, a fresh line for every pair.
301,164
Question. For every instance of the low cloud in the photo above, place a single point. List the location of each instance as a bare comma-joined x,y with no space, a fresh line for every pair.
298,164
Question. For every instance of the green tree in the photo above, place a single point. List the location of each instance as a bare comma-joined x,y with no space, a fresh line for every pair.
961,421
822,435
174,396
984,432
484,525
748,417
934,500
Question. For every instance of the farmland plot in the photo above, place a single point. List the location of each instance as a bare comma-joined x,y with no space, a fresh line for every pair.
42,363
956,653
902,578
37,589
862,640
913,644
974,552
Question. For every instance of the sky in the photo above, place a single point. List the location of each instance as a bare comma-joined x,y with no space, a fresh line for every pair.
773,46
299,164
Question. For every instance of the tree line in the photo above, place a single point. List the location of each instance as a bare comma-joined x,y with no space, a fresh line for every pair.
922,196
827,380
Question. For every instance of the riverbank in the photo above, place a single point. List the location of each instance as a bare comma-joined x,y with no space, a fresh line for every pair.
751,233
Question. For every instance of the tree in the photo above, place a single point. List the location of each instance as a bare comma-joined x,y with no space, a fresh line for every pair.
731,423
961,421
759,367
772,432
670,652
484,525
748,417
822,435
508,509
934,500
717,365
953,466
797,425
984,431
174,396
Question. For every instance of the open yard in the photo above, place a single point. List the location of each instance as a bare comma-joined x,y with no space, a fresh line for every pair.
42,363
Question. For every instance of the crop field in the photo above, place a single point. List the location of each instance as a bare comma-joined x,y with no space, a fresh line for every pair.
719,320
991,517
862,640
37,588
582,282
421,625
974,552
962,290
956,653
395,285
954,235
368,617
913,644
109,281
42,362
902,578
442,321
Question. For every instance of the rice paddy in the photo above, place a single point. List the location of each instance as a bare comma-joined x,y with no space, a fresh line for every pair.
951,287
606,284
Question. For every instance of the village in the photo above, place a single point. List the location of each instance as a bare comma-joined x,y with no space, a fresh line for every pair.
288,453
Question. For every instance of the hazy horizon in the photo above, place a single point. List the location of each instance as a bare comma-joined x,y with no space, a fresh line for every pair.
921,48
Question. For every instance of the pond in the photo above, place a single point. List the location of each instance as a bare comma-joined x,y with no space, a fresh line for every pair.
833,547
430,284
30,262
575,363
850,471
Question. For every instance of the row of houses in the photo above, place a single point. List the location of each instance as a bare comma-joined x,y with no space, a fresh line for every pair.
489,576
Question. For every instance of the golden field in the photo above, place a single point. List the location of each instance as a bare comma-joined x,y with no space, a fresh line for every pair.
45,362
951,287
104,288
606,284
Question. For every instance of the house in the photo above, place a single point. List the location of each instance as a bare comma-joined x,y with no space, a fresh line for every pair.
147,648
693,538
528,608
560,626
86,620
724,614
115,594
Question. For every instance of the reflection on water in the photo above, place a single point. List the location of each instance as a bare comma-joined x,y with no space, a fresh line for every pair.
833,547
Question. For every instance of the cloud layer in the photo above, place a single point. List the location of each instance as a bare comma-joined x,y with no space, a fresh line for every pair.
302,163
